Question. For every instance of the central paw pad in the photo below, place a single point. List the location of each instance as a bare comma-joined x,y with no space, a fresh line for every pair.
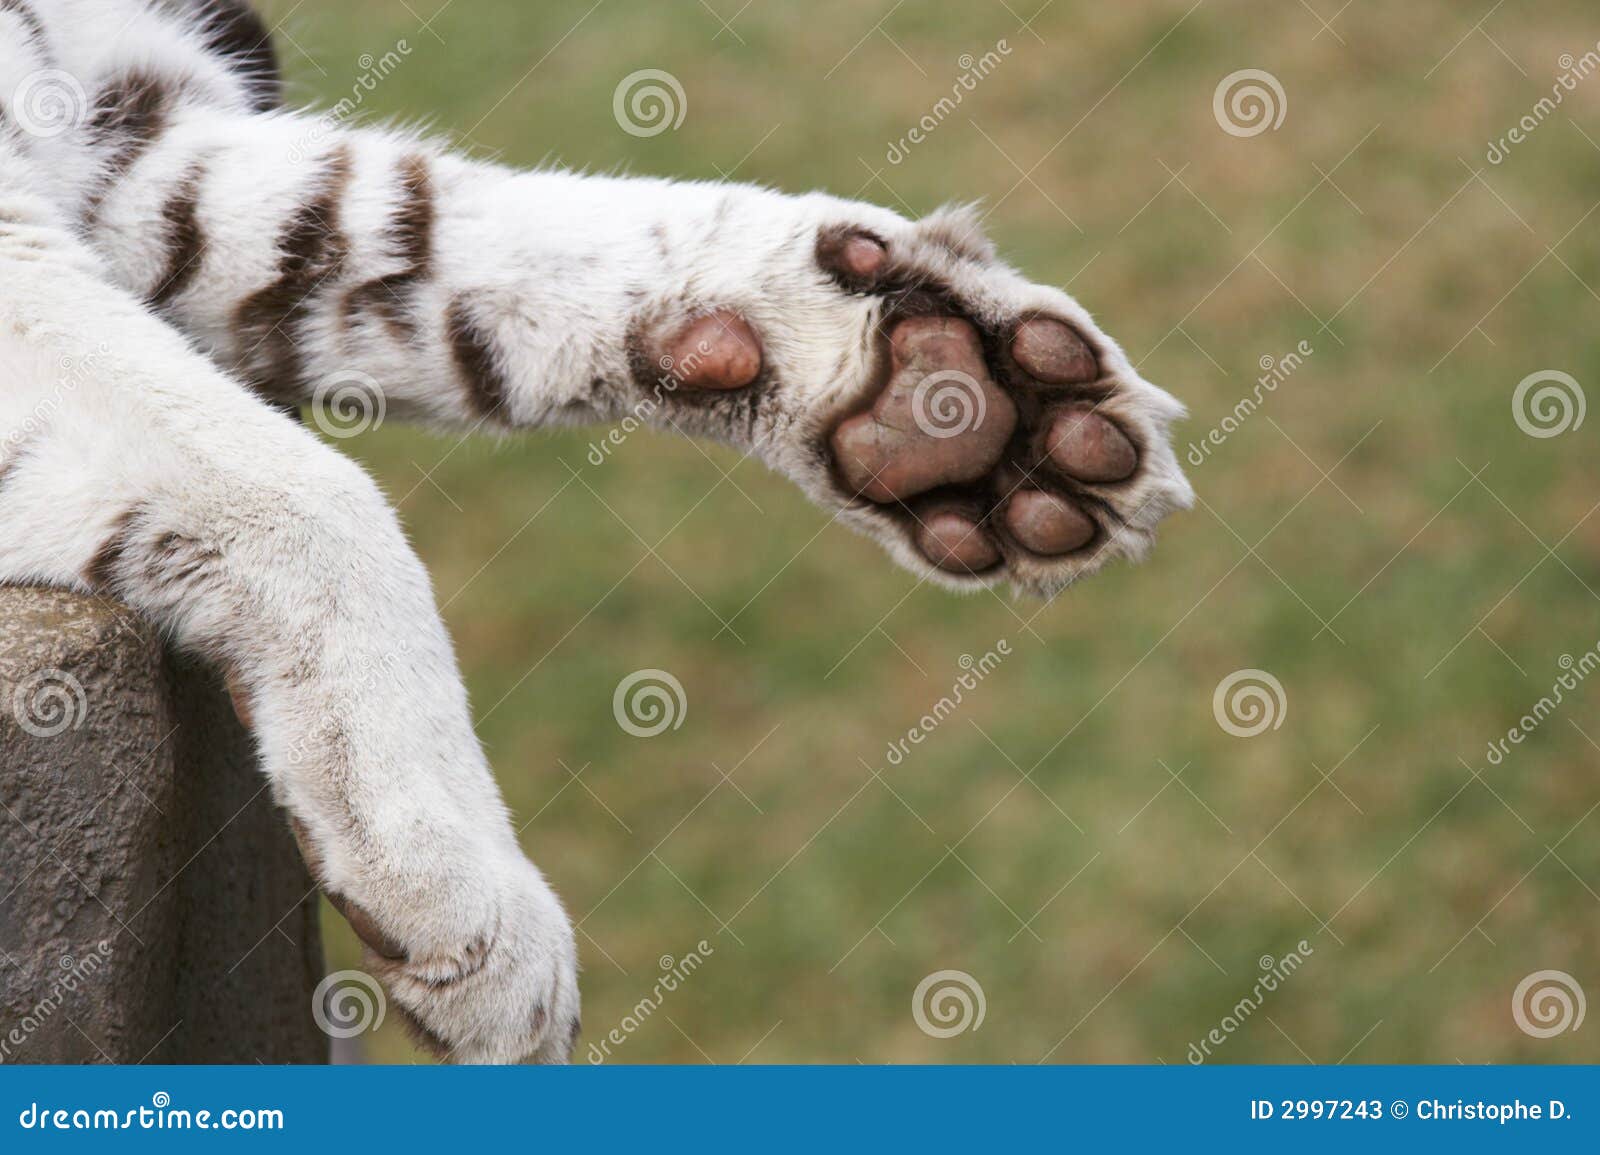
984,472
940,420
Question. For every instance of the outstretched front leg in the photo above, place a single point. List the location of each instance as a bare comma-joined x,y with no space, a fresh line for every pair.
130,466
980,426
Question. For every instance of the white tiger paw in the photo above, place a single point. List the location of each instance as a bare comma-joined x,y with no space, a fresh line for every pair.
982,427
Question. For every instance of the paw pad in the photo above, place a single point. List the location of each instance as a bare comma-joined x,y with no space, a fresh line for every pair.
717,351
983,473
941,420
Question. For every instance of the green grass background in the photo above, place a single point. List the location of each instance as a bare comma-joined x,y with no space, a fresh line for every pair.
1037,841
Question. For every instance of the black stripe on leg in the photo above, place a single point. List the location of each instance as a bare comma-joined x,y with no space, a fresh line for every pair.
477,361
312,249
234,32
101,573
129,114
410,235
24,12
11,464
184,237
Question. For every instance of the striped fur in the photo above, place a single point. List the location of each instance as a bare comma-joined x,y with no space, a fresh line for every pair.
178,263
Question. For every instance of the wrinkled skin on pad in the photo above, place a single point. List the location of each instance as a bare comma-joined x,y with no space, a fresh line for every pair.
1052,352
940,421
1047,523
955,543
717,351
1088,446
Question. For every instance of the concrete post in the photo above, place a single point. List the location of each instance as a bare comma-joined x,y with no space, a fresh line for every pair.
153,905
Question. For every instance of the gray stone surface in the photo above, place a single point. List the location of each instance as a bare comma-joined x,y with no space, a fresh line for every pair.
153,905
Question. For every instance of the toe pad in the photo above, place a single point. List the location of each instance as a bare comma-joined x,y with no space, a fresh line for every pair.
1046,524
1052,352
717,351
1088,446
955,543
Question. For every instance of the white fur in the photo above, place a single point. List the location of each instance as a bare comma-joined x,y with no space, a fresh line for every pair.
253,543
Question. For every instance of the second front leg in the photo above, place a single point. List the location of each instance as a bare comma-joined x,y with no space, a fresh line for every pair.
130,466
982,427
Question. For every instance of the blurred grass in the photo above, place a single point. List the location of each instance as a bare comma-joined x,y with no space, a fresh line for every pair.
1037,840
